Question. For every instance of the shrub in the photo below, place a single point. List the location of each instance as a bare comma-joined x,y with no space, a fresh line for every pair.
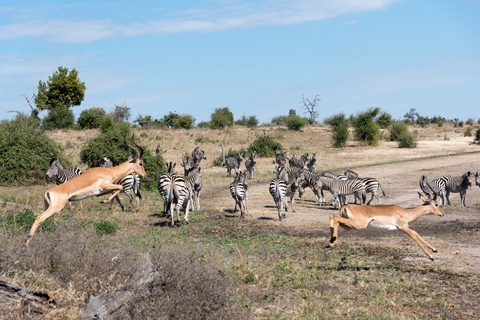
105,227
25,152
111,143
22,221
469,122
295,122
220,118
58,118
406,140
397,129
248,122
366,130
339,126
468,131
264,146
91,118
174,120
384,120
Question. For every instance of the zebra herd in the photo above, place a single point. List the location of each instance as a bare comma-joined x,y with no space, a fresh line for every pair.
183,191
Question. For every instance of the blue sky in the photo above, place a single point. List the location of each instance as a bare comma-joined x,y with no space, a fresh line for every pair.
255,57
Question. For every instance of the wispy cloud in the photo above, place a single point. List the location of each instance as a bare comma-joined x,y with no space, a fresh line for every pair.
206,18
351,22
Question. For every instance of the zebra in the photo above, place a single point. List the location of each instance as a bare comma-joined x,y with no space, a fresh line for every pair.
231,163
436,185
55,168
165,184
239,193
341,188
194,177
199,154
295,162
281,158
278,190
477,178
129,183
290,176
308,180
311,164
371,185
458,185
250,163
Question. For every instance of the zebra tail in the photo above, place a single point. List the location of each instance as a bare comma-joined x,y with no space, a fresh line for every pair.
383,192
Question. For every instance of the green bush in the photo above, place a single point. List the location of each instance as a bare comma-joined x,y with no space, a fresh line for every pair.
111,143
406,140
58,118
397,129
468,131
25,152
295,122
339,126
220,118
264,146
22,221
248,122
91,118
365,128
105,227
174,120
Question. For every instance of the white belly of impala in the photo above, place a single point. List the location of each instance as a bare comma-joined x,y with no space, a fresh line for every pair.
390,227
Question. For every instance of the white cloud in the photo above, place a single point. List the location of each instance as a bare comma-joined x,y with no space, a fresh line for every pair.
210,18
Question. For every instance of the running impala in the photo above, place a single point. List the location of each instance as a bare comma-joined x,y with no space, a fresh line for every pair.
387,217
93,182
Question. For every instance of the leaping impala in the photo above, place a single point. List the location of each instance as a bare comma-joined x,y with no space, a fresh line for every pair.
93,182
387,217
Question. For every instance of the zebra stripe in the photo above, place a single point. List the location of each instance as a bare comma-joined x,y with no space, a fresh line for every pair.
437,186
130,183
340,189
165,184
371,185
239,192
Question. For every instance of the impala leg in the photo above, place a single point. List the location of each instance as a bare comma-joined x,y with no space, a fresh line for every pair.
414,235
345,223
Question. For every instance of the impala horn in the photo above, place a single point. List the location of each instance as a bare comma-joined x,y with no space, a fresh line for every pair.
139,154
424,183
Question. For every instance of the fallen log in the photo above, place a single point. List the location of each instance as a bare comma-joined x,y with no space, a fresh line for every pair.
36,300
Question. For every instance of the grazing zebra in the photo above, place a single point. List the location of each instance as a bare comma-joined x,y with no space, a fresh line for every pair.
239,193
281,158
165,184
436,186
231,163
371,185
340,189
295,162
194,177
311,164
250,163
55,168
129,183
308,180
458,185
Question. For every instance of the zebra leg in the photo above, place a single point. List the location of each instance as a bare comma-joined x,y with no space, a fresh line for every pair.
463,193
172,213
198,200
186,210
447,195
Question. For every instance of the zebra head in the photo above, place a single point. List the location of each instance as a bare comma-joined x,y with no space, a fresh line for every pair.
53,169
427,188
468,179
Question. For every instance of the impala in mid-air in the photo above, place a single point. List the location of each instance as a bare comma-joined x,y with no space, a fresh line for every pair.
93,182
388,217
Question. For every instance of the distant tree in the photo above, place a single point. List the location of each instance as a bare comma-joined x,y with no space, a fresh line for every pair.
248,122
339,126
422,121
311,107
439,121
294,122
120,113
174,120
143,121
62,90
365,128
411,115
91,118
220,118
60,117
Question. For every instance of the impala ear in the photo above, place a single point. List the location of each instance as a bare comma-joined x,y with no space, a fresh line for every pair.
424,199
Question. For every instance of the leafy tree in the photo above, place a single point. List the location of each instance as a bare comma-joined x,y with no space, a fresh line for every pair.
339,126
365,128
91,118
220,118
439,121
422,121
173,120
143,121
60,117
397,129
384,120
412,115
62,90
120,113
25,151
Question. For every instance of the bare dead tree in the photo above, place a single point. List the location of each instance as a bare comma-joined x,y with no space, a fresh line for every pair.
311,107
